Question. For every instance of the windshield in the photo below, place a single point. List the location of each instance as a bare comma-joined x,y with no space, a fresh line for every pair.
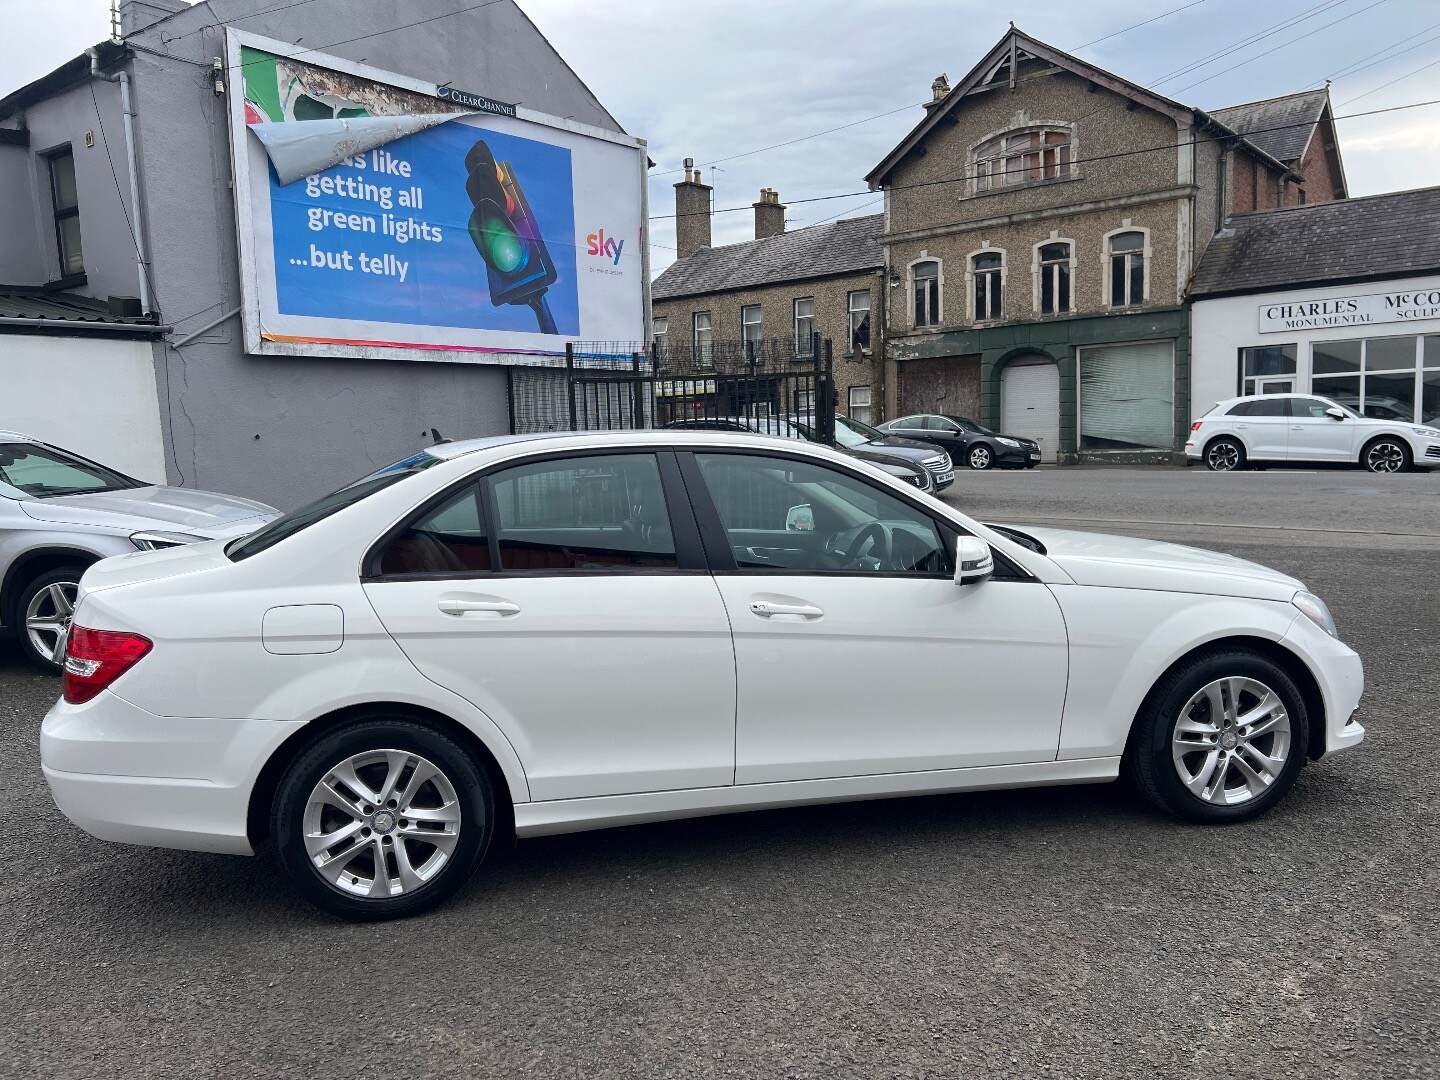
284,527
45,472
848,433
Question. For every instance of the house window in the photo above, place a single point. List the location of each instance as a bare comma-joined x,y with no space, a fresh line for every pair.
1127,396
926,287
1127,269
989,289
702,339
67,211
660,327
805,327
858,407
858,305
750,329
1024,157
1054,278
1267,369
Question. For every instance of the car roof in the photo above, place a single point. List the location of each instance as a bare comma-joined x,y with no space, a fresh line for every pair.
17,435
661,437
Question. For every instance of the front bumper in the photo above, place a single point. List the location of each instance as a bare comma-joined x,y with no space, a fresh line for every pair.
1016,457
1341,675
942,480
126,775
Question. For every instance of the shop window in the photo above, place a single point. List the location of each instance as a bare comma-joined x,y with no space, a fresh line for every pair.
750,329
858,308
1382,378
1054,264
1429,410
858,407
988,268
65,197
702,339
925,286
805,327
1267,369
1022,157
1127,269
1127,397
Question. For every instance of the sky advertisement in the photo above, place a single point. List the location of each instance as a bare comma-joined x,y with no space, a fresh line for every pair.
380,219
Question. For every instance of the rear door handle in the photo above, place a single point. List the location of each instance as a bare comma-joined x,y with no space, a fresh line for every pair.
497,608
769,609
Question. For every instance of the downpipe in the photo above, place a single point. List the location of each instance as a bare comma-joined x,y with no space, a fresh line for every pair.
128,113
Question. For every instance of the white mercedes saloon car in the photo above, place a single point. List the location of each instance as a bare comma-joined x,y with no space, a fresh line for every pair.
1307,428
527,635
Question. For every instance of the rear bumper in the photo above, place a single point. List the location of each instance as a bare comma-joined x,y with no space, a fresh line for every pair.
126,775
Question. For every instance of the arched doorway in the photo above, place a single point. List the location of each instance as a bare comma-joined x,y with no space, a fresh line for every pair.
1030,402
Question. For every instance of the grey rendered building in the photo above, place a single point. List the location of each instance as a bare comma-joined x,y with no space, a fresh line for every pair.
279,428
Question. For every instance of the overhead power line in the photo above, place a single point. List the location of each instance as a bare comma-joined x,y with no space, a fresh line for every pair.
1392,82
1136,26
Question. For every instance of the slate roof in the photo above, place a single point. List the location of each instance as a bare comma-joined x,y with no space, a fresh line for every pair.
1279,126
836,247
1391,235
63,309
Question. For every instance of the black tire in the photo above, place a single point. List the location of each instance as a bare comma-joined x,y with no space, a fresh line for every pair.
62,575
980,456
1225,454
1150,764
473,792
1387,454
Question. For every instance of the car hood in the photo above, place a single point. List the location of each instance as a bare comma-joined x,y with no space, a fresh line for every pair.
204,513
896,449
1128,562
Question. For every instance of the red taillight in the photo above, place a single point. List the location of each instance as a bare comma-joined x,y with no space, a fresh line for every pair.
96,658
1196,425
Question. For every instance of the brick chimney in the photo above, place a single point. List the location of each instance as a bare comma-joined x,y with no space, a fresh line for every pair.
692,212
938,90
769,214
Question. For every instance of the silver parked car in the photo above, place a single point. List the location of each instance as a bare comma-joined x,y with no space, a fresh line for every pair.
59,513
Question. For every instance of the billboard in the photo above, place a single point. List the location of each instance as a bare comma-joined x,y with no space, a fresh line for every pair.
381,216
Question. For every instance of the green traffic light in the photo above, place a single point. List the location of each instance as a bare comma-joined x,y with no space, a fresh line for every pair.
502,247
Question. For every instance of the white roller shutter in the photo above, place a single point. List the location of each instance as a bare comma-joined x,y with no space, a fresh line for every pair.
1127,395
1030,404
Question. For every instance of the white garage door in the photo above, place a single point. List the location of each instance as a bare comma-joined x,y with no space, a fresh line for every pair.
1030,404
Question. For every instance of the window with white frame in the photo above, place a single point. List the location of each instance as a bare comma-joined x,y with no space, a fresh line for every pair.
1127,269
805,326
858,407
1054,261
702,339
660,327
857,304
1267,369
1384,378
925,285
750,329
988,270
1022,157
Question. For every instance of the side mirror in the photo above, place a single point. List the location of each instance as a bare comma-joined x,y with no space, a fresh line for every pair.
973,561
1334,414
800,518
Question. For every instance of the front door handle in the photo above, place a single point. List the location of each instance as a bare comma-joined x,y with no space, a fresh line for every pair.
497,608
769,609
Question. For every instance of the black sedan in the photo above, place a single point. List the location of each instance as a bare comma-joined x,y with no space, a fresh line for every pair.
966,441
864,441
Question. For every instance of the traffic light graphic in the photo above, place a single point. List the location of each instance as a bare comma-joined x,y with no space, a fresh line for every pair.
504,232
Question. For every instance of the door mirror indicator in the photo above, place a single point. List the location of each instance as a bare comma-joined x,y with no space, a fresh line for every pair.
973,561
1335,414
800,518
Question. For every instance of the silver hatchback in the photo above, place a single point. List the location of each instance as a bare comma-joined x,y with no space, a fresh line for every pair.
59,513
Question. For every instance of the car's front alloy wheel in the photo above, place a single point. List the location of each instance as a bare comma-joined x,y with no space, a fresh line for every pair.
381,819
981,457
1387,455
1231,741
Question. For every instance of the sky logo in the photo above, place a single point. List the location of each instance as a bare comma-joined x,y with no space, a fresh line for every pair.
600,244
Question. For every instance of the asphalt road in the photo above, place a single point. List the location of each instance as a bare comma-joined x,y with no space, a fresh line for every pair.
1066,933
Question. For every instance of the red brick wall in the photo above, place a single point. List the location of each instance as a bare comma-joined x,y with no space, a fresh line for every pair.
1322,182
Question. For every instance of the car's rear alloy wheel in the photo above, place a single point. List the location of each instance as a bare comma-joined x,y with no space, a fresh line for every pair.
1220,739
1387,456
981,457
382,819
46,607
1224,455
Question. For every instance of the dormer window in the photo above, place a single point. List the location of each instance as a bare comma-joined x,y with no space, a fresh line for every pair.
1022,157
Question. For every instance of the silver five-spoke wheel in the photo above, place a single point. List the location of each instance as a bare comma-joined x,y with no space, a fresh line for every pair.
47,618
381,824
1231,741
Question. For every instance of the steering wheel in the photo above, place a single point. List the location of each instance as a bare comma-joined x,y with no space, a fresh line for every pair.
878,538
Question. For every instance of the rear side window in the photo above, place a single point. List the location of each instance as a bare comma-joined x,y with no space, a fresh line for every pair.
1262,407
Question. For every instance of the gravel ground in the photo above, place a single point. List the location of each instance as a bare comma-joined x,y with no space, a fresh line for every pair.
1067,933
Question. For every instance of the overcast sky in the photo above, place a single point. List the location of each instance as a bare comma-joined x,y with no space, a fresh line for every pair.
709,79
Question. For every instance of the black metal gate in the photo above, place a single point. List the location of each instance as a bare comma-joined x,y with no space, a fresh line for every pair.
763,386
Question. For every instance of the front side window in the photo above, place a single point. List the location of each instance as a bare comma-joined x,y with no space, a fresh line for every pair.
750,329
44,472
1024,157
1054,278
858,406
858,306
702,339
805,327
989,297
1127,269
599,512
65,197
925,279
799,517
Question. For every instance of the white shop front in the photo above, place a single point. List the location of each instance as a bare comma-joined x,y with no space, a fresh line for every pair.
1372,346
